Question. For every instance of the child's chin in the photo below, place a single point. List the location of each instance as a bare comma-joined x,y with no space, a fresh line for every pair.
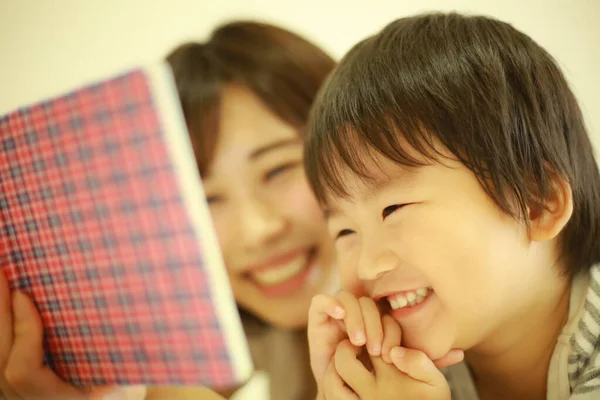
434,349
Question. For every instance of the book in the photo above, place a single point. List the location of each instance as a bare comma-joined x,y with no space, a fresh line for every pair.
104,224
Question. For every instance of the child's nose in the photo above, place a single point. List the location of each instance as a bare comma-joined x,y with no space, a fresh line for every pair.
372,266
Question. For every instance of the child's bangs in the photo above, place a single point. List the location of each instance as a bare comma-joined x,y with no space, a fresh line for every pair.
360,113
343,140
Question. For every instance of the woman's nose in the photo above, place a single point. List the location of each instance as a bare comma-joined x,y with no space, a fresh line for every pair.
260,223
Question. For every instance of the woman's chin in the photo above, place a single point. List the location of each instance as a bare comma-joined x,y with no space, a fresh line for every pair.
290,315
284,321
291,324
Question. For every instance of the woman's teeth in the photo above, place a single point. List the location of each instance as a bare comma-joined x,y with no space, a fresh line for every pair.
407,299
281,273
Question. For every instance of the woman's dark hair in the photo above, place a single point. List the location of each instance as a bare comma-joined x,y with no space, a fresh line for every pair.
281,68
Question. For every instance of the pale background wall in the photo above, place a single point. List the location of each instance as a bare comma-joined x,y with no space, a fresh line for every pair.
47,47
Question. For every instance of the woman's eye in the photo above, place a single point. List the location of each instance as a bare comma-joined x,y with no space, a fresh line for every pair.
344,232
279,170
212,200
390,209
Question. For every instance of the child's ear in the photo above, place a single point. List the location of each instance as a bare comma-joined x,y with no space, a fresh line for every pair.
549,217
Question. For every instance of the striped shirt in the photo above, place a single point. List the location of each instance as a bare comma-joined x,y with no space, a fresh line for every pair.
574,372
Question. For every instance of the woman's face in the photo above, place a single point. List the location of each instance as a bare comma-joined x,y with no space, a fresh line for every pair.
270,228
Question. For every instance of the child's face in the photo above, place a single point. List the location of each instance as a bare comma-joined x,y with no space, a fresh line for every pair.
435,227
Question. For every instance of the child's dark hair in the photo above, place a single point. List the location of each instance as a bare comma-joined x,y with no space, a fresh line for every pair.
487,92
281,68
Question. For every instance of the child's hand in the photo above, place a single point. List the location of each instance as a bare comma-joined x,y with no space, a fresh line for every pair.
331,319
411,376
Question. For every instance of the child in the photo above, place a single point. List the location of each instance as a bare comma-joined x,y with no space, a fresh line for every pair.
462,192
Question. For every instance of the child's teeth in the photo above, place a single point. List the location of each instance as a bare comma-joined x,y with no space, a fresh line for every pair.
401,301
408,298
397,301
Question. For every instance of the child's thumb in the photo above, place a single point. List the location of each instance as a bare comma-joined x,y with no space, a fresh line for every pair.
454,356
415,364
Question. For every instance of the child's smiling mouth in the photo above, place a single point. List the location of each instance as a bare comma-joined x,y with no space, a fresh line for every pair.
409,298
403,304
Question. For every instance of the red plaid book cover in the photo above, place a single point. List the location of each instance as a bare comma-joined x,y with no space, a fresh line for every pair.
104,224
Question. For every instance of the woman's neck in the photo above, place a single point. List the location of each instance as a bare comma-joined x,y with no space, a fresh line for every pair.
514,363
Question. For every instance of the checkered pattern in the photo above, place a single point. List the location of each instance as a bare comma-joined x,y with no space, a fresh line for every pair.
94,228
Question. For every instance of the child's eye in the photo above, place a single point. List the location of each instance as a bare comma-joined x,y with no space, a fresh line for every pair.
279,170
390,209
344,232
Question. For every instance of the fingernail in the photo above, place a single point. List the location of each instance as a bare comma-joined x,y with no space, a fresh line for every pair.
376,349
359,338
397,353
137,392
385,355
339,312
115,395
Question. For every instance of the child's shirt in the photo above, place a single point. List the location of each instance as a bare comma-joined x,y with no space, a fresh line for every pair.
574,372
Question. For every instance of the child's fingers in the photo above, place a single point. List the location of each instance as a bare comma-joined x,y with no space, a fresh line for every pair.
323,307
392,337
454,356
334,387
381,368
351,370
324,332
417,365
353,319
373,328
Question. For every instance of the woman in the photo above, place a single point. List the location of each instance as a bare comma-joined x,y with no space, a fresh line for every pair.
246,94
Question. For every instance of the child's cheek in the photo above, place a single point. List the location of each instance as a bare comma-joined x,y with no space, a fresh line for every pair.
424,241
444,249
